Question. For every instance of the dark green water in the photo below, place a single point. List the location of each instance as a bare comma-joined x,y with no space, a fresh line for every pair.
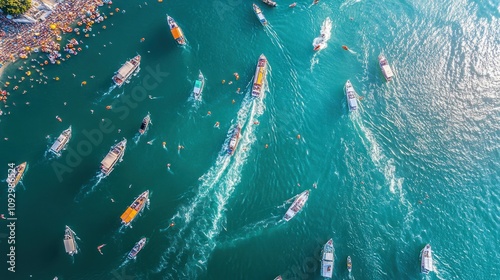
418,163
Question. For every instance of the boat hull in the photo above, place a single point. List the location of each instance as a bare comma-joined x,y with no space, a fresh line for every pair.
426,265
135,208
327,259
137,248
233,142
127,69
259,14
296,206
385,67
61,142
114,155
198,87
16,177
176,31
352,101
69,242
144,124
259,79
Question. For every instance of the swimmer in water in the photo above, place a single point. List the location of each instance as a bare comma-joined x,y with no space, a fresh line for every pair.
217,125
99,248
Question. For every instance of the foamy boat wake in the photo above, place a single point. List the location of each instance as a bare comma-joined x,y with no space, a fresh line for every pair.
320,42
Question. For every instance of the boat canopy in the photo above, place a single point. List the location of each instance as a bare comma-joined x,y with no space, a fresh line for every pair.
125,70
259,77
109,160
197,87
388,71
327,269
69,245
128,215
176,32
56,145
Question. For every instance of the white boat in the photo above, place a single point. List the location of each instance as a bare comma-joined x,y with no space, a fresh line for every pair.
113,156
137,248
386,68
349,264
278,277
259,14
69,242
61,142
327,259
259,77
352,101
17,174
198,86
296,205
233,142
145,124
270,3
426,259
127,69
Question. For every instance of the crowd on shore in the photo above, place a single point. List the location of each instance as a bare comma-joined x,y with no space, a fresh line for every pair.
17,40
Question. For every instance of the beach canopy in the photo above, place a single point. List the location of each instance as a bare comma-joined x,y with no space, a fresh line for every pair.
53,26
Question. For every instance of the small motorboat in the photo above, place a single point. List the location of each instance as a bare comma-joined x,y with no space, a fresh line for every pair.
292,5
61,142
145,124
349,264
297,205
327,259
259,14
426,259
386,68
198,87
69,242
352,102
137,248
270,3
235,138
176,31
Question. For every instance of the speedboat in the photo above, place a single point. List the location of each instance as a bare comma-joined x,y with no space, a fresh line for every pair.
16,175
176,31
259,14
426,259
352,102
386,69
135,208
270,3
259,77
198,86
145,124
349,264
61,142
69,242
296,205
235,138
327,259
127,69
318,42
137,248
278,278
113,156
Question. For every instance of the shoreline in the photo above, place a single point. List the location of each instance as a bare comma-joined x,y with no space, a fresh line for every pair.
2,69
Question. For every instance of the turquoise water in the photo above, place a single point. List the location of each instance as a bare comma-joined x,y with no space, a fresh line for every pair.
418,163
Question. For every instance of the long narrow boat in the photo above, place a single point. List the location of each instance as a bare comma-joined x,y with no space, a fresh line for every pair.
296,206
350,94
127,69
259,77
327,259
386,68
69,242
270,3
137,248
259,14
198,87
426,259
349,264
145,124
135,208
113,156
61,142
176,31
233,142
17,175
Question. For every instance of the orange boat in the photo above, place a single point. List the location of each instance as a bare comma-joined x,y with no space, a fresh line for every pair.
176,31
135,208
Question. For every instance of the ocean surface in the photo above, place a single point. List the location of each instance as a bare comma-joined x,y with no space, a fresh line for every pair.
417,163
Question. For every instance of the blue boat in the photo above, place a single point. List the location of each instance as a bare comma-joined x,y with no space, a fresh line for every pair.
259,14
198,87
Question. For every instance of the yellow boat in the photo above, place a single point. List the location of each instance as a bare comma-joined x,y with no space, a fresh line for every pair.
135,208
260,77
16,175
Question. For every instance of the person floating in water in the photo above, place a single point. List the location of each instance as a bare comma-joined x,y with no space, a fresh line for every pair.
216,125
99,248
